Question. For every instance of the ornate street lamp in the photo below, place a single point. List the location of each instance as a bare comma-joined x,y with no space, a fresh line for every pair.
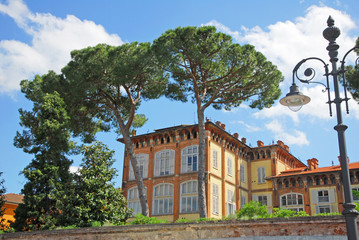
295,100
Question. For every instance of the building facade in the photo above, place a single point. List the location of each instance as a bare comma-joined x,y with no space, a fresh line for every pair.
235,174
12,200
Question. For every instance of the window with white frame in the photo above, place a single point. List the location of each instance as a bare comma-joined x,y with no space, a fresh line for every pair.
291,199
243,201
164,163
323,196
261,174
263,200
355,197
215,159
215,199
163,199
296,209
231,206
242,173
190,159
142,163
133,200
229,166
323,209
189,196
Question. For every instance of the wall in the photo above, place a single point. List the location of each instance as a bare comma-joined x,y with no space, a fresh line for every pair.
295,228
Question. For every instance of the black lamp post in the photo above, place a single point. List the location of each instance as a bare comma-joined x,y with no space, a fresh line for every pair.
295,100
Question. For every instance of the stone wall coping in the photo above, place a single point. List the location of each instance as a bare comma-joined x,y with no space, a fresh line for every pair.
162,229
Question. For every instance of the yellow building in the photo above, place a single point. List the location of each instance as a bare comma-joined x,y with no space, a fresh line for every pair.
12,200
236,172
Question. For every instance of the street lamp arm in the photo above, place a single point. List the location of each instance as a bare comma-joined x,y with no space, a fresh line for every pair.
309,73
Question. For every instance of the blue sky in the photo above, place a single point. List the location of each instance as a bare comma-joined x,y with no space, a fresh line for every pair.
38,35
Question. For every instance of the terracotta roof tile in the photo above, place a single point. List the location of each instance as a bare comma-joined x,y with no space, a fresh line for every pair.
13,198
295,171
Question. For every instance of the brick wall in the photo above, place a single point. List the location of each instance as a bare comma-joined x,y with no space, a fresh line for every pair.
332,227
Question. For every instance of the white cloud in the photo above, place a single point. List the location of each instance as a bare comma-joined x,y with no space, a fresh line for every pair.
298,138
52,41
74,169
248,128
286,43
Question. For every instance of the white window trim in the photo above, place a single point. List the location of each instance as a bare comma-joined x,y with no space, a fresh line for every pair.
215,199
215,159
296,199
166,199
230,166
134,202
242,173
168,167
184,159
142,159
192,195
261,174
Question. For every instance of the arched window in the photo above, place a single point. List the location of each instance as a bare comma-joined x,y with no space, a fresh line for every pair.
332,179
133,200
163,199
286,183
164,162
325,180
310,181
190,159
291,200
189,196
142,163
280,185
317,181
293,182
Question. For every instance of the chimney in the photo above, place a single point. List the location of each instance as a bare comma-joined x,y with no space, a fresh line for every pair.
260,143
280,143
218,123
236,135
312,163
244,140
223,126
340,159
286,148
134,132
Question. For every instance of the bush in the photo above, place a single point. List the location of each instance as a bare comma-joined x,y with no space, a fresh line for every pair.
183,220
285,213
328,214
252,210
141,219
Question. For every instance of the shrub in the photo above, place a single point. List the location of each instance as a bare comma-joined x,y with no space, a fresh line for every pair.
252,210
141,219
328,214
183,220
279,212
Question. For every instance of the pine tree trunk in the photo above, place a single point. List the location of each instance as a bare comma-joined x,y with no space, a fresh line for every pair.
202,204
136,169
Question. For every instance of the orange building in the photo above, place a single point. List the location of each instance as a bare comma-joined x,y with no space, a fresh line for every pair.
236,172
12,200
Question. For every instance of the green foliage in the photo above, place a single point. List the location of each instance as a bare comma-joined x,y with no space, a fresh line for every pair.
47,137
92,198
2,202
183,220
285,213
329,214
207,66
252,210
352,77
201,219
141,219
